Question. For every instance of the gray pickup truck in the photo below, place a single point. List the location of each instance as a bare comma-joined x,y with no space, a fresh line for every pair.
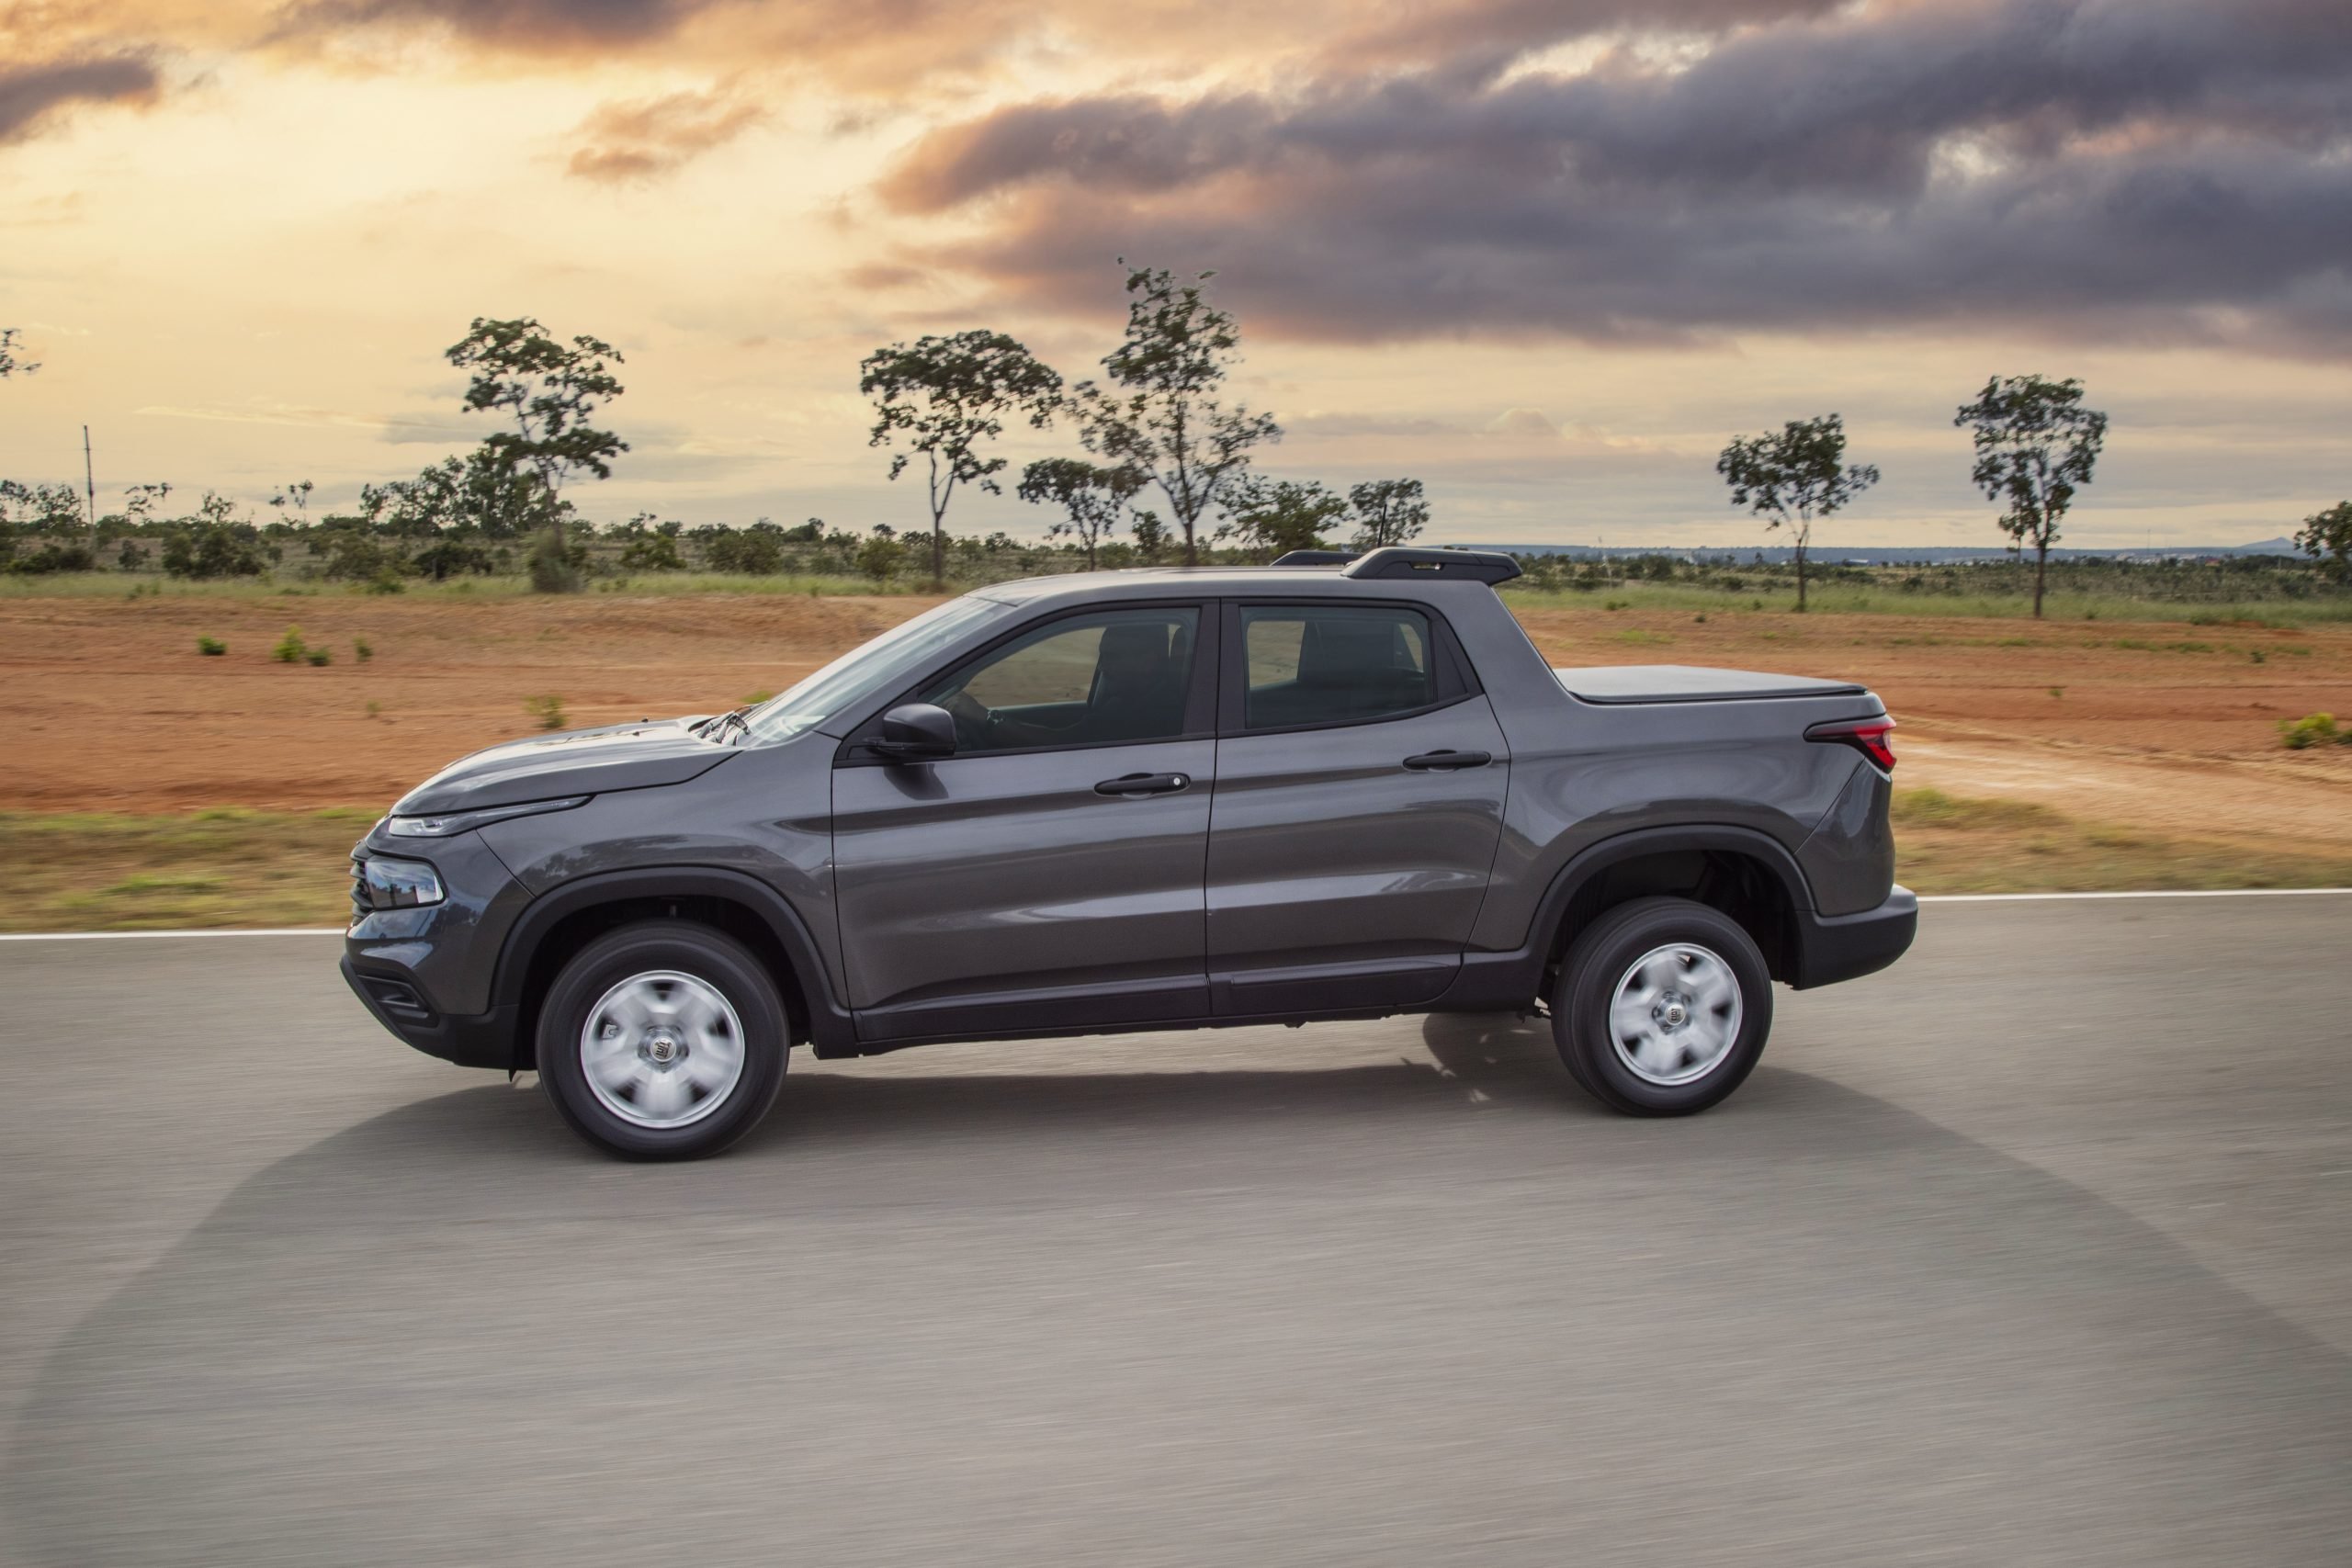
1142,800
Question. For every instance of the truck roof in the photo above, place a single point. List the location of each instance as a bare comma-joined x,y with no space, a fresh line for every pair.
1315,571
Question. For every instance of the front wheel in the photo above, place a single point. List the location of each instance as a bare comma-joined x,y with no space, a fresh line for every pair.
663,1040
1663,1007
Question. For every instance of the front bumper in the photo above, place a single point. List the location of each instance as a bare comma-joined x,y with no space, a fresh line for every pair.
1845,947
425,973
471,1039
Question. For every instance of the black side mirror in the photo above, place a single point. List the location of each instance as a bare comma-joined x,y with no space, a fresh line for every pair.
915,731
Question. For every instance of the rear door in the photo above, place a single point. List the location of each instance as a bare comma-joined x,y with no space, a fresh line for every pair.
1360,777
1049,874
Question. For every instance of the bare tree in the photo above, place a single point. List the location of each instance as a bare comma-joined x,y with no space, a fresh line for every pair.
1089,495
11,364
1160,415
945,396
550,389
1387,512
2035,445
1793,476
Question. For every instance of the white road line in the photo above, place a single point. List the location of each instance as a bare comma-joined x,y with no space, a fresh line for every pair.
122,936
1924,899
2170,893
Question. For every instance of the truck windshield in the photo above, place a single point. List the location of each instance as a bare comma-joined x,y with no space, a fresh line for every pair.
895,657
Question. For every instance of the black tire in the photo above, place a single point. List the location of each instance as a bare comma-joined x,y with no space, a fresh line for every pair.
1599,960
707,958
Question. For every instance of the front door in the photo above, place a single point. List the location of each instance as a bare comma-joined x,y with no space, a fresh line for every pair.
1047,875
1359,804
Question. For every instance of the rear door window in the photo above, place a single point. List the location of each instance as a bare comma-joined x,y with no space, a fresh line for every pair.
1308,664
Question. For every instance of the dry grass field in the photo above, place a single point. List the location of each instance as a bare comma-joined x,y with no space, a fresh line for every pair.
155,785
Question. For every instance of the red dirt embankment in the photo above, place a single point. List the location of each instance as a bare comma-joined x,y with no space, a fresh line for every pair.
107,705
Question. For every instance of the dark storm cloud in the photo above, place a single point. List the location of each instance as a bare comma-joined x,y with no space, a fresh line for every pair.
2125,168
30,94
505,24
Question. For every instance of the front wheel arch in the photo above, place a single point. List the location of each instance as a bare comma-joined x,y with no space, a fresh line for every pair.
564,919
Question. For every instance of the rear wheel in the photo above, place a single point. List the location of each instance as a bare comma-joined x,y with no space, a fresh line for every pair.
663,1040
1663,1007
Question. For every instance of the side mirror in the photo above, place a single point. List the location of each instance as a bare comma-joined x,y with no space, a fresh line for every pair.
914,731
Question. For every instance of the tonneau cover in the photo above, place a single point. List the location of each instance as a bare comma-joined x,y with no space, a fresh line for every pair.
1690,683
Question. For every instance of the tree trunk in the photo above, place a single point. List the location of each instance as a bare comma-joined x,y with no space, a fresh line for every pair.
938,555
1192,555
1800,579
2041,565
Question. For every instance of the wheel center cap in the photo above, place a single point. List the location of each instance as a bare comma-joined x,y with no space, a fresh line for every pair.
662,1048
1675,1015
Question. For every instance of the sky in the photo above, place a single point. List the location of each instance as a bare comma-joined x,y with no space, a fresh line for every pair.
1545,256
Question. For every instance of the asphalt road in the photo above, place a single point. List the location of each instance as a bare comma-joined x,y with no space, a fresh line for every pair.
2037,1249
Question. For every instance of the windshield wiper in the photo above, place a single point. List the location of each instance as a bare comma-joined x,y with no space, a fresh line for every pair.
715,729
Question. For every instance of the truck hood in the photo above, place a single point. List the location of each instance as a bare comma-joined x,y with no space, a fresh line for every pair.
1690,683
578,762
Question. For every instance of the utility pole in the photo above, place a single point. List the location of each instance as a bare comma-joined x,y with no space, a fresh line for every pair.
90,483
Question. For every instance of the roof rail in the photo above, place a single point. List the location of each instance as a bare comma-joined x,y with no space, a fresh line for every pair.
1315,557
1489,567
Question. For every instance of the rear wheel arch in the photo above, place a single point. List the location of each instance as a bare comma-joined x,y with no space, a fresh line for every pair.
564,920
1745,874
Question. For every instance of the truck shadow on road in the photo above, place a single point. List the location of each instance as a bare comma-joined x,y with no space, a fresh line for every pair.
426,1336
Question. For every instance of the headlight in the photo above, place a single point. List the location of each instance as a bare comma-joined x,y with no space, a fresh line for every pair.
457,822
380,881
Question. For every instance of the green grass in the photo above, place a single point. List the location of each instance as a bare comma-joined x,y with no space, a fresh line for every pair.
1947,843
84,871
1769,597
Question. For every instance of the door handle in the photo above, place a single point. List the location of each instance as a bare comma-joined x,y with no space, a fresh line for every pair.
1143,783
1446,761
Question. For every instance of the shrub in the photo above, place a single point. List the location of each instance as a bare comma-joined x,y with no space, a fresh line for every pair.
554,569
362,649
210,647
319,657
2301,734
754,553
548,710
654,552
56,557
386,581
290,647
214,549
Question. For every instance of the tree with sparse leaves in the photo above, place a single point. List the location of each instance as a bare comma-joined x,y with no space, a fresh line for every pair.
550,389
1793,476
945,397
1160,415
1387,512
1270,518
11,362
2326,538
2035,445
1089,495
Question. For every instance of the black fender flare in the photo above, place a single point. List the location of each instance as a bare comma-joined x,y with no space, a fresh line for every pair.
1505,981
829,1025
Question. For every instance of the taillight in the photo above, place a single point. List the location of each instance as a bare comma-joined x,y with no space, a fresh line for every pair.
1873,737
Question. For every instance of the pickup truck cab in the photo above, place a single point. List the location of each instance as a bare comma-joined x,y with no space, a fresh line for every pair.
1142,800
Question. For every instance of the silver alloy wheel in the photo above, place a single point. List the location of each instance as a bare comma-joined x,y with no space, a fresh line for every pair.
662,1049
1675,1014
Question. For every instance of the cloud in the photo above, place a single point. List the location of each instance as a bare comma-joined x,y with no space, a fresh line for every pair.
648,137
2132,170
34,96
531,26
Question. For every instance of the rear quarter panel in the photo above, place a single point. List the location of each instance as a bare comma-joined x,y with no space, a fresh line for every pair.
1583,772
